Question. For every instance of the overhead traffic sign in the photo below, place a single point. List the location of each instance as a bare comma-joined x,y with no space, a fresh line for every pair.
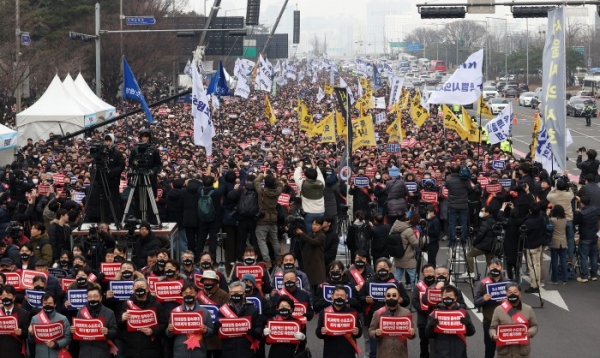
140,20
413,46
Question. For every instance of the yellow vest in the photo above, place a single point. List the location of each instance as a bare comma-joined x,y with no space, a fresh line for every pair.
506,147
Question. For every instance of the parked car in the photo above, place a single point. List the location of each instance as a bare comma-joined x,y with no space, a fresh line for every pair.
497,104
576,104
586,94
489,91
523,87
511,91
525,99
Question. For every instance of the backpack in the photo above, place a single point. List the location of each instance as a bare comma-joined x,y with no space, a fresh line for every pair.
248,204
394,244
464,173
361,237
206,209
549,230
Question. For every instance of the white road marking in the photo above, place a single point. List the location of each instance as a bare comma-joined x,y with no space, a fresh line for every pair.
552,296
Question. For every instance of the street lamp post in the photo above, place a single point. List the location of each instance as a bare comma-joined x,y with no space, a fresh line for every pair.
527,56
505,44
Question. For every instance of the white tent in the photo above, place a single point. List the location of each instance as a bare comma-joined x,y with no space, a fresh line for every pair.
107,109
73,91
55,112
8,143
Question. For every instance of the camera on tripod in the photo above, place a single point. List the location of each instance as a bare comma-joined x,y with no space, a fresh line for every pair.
99,152
93,240
14,231
141,156
131,223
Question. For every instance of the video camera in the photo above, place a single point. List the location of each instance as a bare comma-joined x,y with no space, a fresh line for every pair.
99,152
142,156
93,239
294,222
14,231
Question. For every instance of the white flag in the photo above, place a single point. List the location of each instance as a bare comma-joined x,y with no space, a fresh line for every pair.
464,86
265,71
188,69
396,89
344,84
214,101
204,129
300,76
314,78
379,102
424,98
320,95
380,118
242,89
543,150
499,128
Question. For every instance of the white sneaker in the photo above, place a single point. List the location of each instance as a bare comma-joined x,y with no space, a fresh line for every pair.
466,275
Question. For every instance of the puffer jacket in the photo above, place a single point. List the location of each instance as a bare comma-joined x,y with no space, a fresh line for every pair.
458,192
587,221
396,192
409,241
44,251
267,201
175,206
190,204
485,236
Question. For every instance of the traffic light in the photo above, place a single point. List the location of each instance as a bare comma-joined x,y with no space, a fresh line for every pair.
252,12
82,37
443,12
523,12
296,39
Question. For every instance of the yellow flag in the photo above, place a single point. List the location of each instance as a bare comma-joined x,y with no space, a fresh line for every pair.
535,132
395,131
471,126
307,123
366,86
405,99
269,111
364,103
328,134
452,122
417,112
363,132
341,124
318,129
484,109
328,89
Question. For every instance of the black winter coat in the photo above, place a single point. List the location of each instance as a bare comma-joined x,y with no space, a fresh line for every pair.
379,235
485,238
174,203
587,221
449,345
332,241
337,346
458,190
190,204
145,245
588,167
137,344
239,347
99,349
535,231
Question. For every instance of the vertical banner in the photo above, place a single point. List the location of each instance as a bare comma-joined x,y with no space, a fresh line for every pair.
553,84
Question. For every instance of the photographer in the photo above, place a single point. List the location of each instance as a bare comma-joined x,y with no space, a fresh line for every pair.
586,220
484,241
525,187
590,166
266,224
458,204
311,191
19,186
111,162
561,195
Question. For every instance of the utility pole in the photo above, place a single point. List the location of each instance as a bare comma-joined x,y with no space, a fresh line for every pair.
98,67
17,78
213,13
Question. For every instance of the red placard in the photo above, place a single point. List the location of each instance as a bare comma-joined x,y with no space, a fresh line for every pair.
65,282
445,192
110,270
370,172
48,332
43,189
167,291
254,270
284,199
450,322
283,332
339,323
13,279
234,327
483,181
8,324
511,334
139,319
198,280
259,124
493,188
395,326
59,179
27,278
152,280
429,197
293,186
299,310
434,297
88,329
186,322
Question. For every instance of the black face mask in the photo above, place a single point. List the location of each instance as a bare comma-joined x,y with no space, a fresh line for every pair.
284,312
187,262
64,262
288,266
140,292
249,260
237,298
94,303
383,273
336,275
513,298
48,309
441,278
161,263
127,274
36,288
360,263
209,287
495,272
119,258
81,281
77,267
189,299
206,265
7,301
429,279
448,301
339,302
391,302
248,289
25,257
169,273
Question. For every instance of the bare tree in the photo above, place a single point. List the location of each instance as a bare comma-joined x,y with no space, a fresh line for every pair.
470,33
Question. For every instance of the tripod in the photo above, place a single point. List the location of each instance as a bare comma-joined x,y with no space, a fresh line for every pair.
140,182
343,222
524,240
455,260
104,192
498,248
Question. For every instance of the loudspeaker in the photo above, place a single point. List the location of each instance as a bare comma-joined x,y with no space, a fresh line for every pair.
296,27
252,12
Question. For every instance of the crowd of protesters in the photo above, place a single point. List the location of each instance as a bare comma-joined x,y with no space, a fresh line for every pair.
272,183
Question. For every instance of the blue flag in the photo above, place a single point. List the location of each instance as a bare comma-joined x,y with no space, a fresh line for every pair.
376,79
132,90
218,85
